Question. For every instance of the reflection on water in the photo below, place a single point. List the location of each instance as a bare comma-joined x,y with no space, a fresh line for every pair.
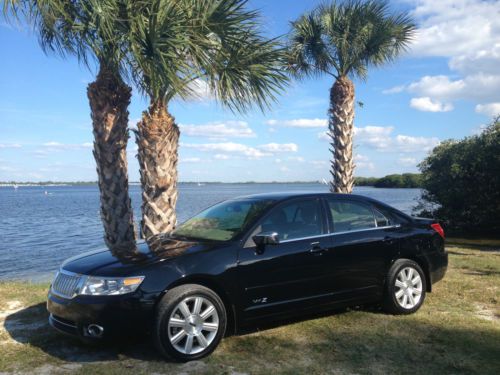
42,226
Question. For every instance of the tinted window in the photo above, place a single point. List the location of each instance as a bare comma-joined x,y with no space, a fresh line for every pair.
349,216
223,221
381,220
294,220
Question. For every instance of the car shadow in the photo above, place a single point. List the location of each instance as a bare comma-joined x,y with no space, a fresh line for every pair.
387,343
30,326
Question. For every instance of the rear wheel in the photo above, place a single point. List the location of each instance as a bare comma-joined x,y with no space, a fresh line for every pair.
405,287
190,322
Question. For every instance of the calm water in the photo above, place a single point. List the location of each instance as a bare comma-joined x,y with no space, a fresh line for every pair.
38,231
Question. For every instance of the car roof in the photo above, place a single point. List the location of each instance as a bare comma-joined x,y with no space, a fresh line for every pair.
279,196
285,195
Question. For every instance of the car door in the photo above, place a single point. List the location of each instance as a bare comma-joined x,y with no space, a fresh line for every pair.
361,246
289,274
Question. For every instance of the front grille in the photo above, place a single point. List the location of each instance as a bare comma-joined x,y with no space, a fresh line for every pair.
66,284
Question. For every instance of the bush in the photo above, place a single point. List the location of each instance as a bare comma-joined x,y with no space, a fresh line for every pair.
405,180
462,183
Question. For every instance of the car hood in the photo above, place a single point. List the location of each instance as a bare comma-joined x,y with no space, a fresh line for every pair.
108,263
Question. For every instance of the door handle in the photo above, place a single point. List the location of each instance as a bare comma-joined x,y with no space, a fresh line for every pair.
388,239
316,248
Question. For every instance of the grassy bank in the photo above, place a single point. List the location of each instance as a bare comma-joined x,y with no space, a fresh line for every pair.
456,331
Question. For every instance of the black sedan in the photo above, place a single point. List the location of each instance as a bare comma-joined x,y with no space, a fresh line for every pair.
249,260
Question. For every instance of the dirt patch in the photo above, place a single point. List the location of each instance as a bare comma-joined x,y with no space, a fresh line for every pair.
487,314
11,308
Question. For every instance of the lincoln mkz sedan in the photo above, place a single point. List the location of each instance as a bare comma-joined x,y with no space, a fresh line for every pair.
247,261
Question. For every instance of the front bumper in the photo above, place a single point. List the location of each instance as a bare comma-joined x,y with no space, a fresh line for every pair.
117,315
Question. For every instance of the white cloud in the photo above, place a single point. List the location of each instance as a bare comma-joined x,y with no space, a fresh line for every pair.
221,157
394,90
363,162
299,159
219,130
478,86
378,137
406,143
57,146
300,123
324,136
467,32
484,60
381,138
426,104
489,109
455,27
10,145
200,90
440,87
279,147
407,161
239,149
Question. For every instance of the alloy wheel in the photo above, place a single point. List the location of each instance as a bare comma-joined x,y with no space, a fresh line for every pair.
193,325
408,291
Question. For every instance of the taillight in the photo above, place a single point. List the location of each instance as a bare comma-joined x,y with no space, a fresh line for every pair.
438,229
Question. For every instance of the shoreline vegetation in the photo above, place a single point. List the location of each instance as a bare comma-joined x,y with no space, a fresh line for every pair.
405,180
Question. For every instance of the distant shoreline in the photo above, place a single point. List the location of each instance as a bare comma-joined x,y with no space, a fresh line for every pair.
405,180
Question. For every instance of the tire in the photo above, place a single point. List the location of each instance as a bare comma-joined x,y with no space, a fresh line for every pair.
190,322
402,295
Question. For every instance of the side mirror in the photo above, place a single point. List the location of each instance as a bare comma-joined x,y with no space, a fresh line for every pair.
266,238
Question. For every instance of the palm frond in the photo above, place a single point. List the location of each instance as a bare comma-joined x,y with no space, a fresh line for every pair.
173,43
345,38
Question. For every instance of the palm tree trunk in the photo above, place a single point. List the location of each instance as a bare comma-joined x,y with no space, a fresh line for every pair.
157,136
341,127
109,98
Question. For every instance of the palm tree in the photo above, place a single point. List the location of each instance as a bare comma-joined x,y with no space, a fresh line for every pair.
93,32
342,40
174,45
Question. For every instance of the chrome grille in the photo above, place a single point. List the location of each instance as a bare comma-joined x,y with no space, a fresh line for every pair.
66,284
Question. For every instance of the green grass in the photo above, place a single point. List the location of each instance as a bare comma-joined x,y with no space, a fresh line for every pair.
456,331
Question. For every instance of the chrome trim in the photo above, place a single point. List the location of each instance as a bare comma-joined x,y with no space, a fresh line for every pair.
78,287
61,322
99,331
306,238
367,229
343,232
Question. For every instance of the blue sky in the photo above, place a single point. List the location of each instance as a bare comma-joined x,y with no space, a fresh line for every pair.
446,86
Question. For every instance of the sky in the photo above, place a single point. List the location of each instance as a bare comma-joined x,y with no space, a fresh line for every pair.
447,86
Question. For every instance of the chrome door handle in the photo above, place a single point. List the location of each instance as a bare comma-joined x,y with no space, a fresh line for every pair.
316,248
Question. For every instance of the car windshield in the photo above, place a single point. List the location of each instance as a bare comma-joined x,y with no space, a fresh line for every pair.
222,222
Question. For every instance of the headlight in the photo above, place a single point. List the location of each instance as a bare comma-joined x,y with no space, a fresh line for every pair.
110,286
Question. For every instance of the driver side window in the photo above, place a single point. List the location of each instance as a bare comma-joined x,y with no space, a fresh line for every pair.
294,220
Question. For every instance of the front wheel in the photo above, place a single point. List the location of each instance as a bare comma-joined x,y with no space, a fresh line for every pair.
190,322
405,287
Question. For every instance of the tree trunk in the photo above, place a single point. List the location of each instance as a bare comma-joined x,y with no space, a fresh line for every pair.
157,136
109,98
341,127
